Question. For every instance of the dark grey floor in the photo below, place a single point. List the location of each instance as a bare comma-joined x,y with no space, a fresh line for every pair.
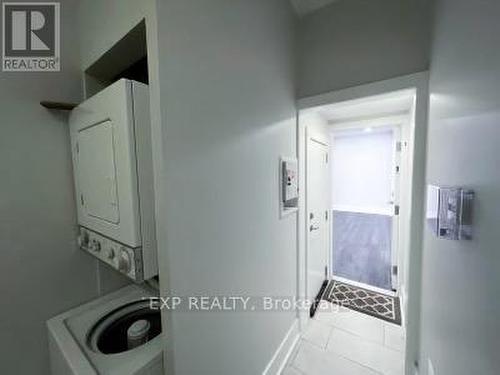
362,248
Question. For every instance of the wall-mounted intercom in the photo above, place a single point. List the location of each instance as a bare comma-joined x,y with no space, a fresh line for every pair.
289,184
449,212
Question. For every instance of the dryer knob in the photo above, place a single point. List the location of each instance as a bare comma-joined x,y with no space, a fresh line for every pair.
83,239
111,253
124,261
95,245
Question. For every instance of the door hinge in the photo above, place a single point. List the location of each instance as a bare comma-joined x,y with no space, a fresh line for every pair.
396,209
81,200
326,215
77,148
326,158
398,146
394,278
326,272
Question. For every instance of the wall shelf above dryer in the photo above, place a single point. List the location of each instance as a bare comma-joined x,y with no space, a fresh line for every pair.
61,106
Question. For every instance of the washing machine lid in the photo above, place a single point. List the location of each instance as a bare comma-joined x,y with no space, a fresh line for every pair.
81,321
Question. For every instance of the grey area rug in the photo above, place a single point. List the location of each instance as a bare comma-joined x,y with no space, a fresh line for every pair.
362,248
365,301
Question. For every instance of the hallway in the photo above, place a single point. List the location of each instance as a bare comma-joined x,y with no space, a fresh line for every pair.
344,342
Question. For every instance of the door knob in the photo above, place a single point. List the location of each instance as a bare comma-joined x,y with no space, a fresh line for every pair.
312,227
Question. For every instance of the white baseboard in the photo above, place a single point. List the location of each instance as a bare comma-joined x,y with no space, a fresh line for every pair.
285,349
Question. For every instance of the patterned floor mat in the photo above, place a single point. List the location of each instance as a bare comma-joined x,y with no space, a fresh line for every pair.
372,303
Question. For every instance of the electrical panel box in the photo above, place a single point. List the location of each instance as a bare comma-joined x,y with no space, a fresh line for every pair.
449,212
289,183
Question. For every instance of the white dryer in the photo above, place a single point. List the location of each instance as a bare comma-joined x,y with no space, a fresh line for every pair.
113,171
117,334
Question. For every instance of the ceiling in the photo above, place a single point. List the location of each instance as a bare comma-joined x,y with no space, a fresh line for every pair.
303,7
375,106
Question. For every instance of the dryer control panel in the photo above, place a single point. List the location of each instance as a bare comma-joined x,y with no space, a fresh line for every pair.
120,257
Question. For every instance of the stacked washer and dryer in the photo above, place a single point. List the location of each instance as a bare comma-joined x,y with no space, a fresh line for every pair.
119,333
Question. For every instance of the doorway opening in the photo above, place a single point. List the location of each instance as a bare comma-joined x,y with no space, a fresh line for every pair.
365,174
358,191
360,171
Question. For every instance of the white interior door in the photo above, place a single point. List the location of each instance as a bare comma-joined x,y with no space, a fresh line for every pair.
318,233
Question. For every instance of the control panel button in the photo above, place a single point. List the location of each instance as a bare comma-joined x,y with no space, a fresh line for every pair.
95,245
83,239
110,253
124,261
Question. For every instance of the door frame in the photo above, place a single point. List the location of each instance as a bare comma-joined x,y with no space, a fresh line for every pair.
411,302
395,124
322,139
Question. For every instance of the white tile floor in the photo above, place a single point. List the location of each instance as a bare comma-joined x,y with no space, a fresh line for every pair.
339,341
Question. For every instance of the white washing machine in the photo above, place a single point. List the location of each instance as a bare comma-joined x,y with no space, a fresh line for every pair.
117,334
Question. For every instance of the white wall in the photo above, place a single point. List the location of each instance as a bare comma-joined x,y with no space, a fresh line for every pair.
352,42
228,111
362,170
461,280
42,272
